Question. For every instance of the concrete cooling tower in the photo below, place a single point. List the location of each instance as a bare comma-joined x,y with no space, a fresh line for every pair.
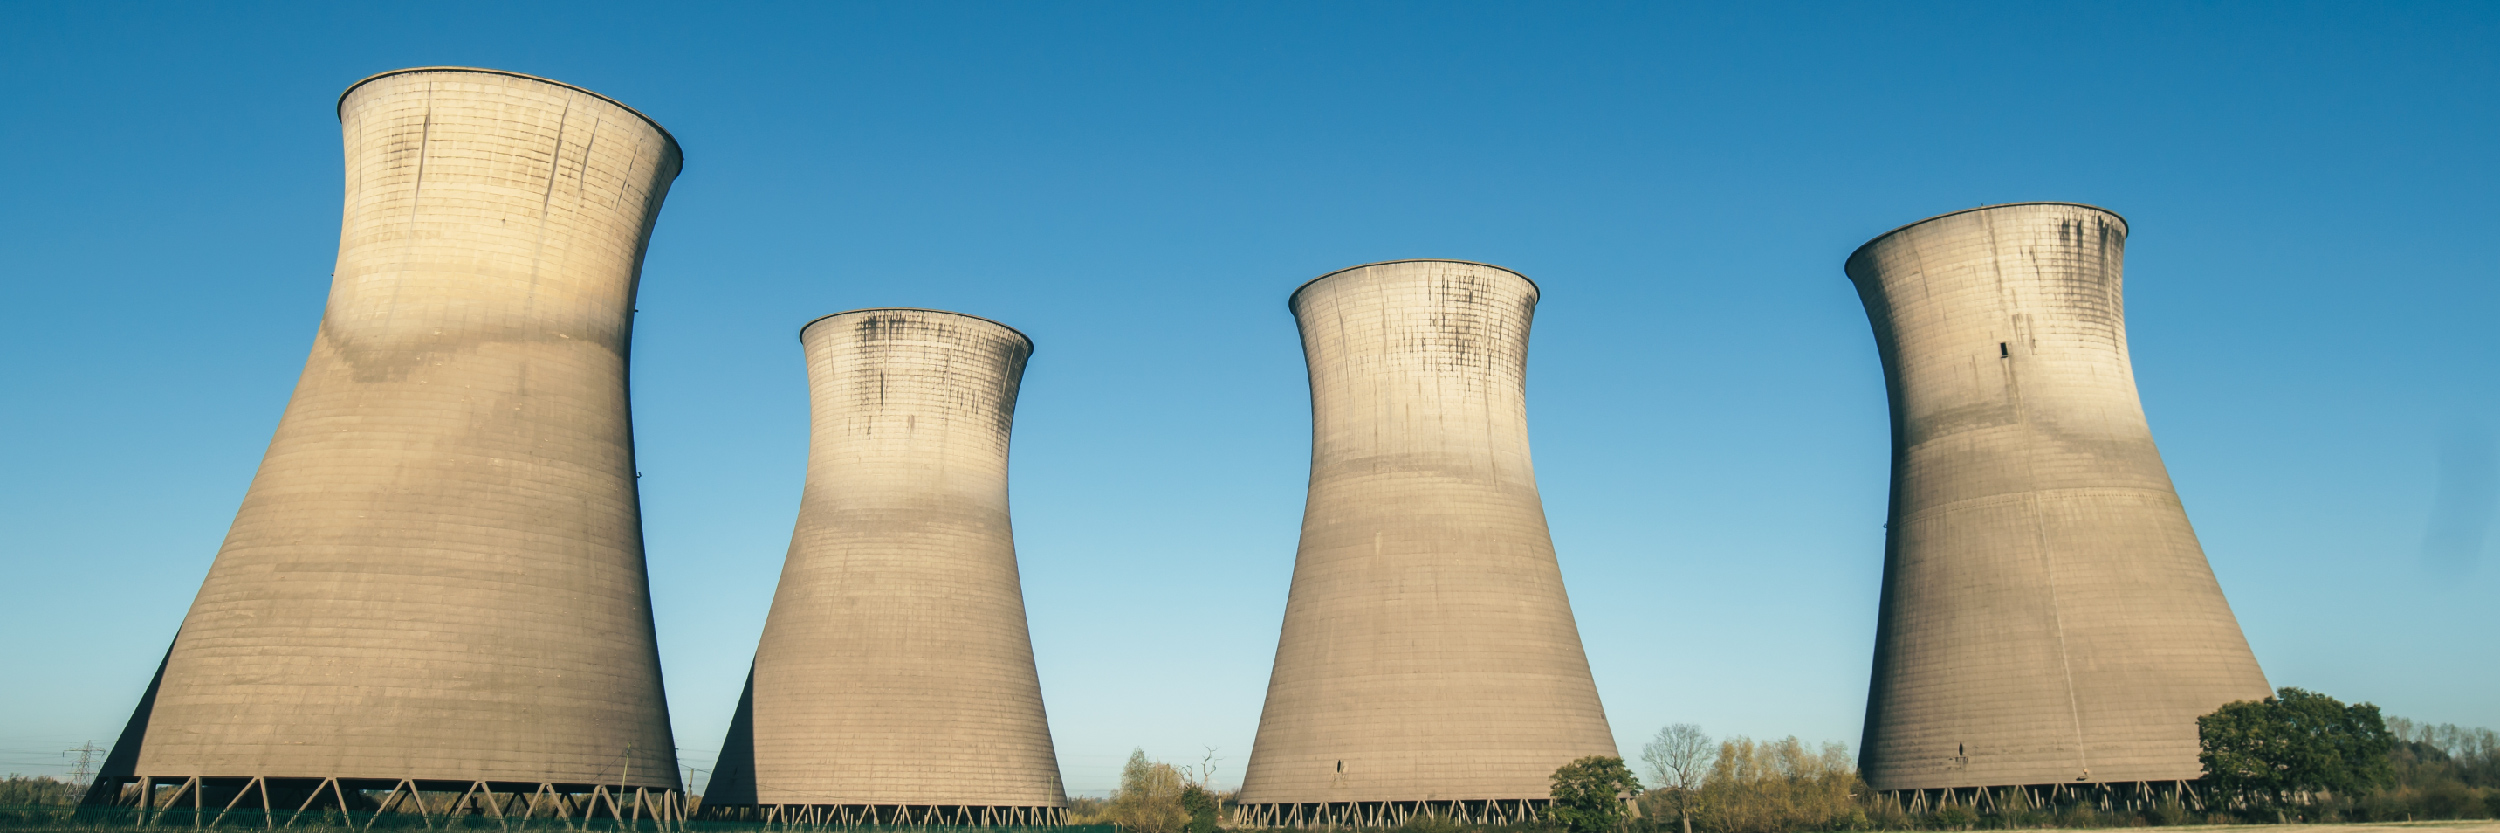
1429,663
894,683
436,578
2047,615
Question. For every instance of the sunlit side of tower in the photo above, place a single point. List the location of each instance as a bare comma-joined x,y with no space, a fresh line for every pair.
895,679
437,574
2047,614
1429,661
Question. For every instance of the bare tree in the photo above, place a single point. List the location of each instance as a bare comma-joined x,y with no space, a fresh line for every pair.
1202,775
1679,760
1199,799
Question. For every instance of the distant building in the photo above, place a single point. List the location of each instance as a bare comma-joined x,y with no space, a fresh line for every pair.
1429,662
894,683
436,579
2047,618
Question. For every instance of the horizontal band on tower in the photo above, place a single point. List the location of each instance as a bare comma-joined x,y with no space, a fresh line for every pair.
1028,340
1853,253
655,123
1297,291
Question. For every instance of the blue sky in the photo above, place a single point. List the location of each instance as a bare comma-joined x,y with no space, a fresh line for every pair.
2311,288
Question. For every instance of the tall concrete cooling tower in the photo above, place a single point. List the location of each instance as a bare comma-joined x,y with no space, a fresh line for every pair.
1429,662
894,683
2047,617
436,579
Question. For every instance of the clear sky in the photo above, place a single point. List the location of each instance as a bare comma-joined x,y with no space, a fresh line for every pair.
2311,288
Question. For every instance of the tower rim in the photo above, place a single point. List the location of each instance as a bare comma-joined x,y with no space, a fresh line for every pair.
1028,340
1862,247
1538,291
671,138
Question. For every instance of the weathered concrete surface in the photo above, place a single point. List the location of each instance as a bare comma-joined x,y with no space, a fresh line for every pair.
438,571
1428,651
895,667
2047,615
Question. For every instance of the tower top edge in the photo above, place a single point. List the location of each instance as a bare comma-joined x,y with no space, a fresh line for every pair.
1533,289
1028,340
1861,249
671,138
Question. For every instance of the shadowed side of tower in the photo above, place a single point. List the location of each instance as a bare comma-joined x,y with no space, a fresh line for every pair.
437,573
895,682
2047,614
1428,661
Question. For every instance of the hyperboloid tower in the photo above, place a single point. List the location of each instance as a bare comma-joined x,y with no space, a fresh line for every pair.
894,683
436,578
2047,616
1429,662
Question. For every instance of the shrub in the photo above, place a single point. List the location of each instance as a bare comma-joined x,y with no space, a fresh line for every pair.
1588,793
1149,798
1200,806
39,791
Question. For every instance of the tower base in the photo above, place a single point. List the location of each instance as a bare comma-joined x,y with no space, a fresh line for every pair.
915,815
207,801
2108,796
1391,813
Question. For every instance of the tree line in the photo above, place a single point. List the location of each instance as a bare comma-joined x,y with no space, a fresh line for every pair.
1156,797
2298,756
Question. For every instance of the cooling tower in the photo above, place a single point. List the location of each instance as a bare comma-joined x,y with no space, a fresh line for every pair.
1429,662
436,578
2047,616
894,682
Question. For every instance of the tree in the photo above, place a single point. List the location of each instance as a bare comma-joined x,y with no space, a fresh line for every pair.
1200,806
1149,798
1679,760
2293,745
1199,800
1588,793
1774,786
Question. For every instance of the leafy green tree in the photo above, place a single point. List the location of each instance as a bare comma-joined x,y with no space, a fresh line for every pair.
1200,806
1588,793
2294,745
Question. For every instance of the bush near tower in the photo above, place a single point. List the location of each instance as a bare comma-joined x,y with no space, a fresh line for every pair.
1588,793
1201,807
1152,797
